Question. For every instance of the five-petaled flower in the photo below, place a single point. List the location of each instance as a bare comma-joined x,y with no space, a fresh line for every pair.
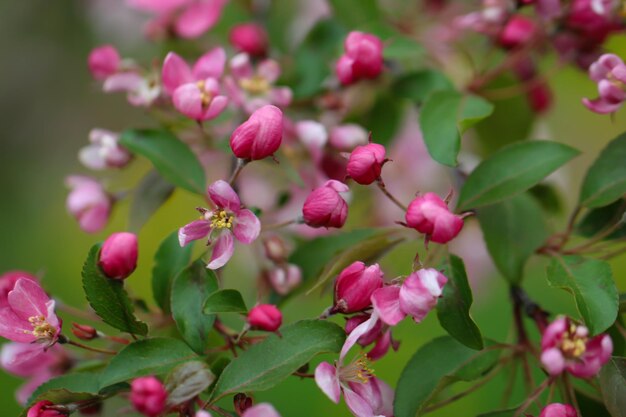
609,72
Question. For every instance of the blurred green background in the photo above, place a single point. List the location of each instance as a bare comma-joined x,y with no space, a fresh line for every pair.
48,105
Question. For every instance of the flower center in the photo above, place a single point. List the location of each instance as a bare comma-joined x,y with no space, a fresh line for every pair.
357,371
255,85
41,328
205,96
221,220
574,343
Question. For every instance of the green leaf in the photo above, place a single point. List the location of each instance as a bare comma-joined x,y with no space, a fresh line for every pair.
500,413
512,170
453,308
590,406
151,193
513,229
443,119
417,86
108,298
269,362
187,381
67,388
384,118
224,301
435,366
590,281
171,157
611,219
613,386
146,357
189,290
356,13
548,198
606,179
169,260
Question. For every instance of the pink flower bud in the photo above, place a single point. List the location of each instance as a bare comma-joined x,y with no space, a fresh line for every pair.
276,249
284,278
354,287
118,257
265,317
44,409
84,332
517,32
558,410
366,163
363,58
148,396
430,215
103,61
89,203
250,38
260,135
325,207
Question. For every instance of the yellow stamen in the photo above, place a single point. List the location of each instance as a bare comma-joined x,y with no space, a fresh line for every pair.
41,328
221,220
205,96
574,343
358,371
255,85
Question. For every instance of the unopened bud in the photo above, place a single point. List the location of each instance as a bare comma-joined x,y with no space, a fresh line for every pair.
265,317
84,332
118,257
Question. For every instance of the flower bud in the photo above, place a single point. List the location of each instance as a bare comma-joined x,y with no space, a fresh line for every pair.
363,58
517,32
366,163
84,332
430,215
325,207
354,287
260,135
89,203
347,137
118,257
284,278
103,61
45,409
148,396
250,38
558,410
104,151
276,249
265,317
242,402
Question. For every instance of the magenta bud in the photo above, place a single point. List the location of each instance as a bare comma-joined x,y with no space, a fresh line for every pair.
118,257
47,409
518,31
259,136
366,163
354,287
249,38
363,58
265,317
103,61
558,410
430,215
242,402
325,207
148,396
84,332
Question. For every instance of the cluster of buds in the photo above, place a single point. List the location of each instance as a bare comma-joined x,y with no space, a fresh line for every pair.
282,276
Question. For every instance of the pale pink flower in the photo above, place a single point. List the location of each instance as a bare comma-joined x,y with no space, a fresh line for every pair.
284,278
325,207
250,38
259,136
609,72
362,59
354,287
118,256
558,410
430,215
104,151
148,396
220,224
103,61
142,89
265,317
261,410
89,203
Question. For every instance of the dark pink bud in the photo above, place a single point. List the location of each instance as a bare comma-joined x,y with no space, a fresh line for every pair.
540,97
242,402
517,32
260,136
430,215
363,58
366,163
558,410
354,287
265,317
84,332
325,207
250,38
148,396
103,61
118,257
47,409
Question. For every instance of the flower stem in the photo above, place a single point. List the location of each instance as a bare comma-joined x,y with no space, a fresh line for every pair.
533,397
383,188
90,348
238,168
275,226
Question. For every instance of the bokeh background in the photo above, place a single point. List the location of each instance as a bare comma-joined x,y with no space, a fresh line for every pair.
48,104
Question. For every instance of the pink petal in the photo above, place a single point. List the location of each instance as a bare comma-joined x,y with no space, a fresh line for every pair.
223,195
243,138
419,292
210,65
25,391
28,299
222,251
381,347
188,100
269,69
157,6
94,219
123,81
217,106
358,405
386,303
338,186
326,379
198,18
281,96
553,334
241,67
24,359
377,394
553,361
175,72
247,226
261,410
195,230
356,334
15,328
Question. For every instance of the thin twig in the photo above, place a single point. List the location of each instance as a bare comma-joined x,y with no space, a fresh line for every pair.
533,397
90,348
394,200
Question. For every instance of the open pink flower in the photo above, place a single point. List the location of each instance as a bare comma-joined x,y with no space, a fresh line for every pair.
29,315
365,395
251,88
196,91
609,72
89,203
104,151
430,215
220,224
566,346
416,296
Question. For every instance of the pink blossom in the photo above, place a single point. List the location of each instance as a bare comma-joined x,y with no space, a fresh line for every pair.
250,38
365,395
566,346
45,409
118,256
261,410
265,317
558,410
430,215
104,151
251,88
260,136
103,61
489,20
29,315
362,59
347,136
196,91
220,224
89,203
415,297
354,287
284,278
142,89
517,32
379,335
7,283
366,163
325,207
148,396
609,72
